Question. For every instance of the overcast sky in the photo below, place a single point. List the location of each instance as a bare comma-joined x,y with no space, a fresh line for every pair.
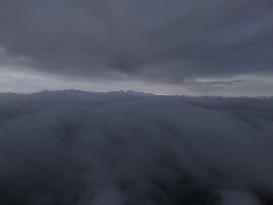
212,47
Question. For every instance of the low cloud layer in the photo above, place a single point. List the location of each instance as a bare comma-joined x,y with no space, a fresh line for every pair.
71,147
25,81
155,40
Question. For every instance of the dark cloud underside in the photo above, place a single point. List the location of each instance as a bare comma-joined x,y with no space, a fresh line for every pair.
148,40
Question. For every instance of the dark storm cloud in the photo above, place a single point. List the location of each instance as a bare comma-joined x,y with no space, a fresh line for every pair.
152,40
86,148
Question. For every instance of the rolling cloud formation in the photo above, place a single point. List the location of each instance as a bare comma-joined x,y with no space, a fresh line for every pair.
72,147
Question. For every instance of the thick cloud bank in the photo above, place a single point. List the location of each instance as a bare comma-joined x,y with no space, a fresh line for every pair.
71,147
144,39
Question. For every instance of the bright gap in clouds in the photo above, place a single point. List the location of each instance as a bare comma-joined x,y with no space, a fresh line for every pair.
32,81
21,80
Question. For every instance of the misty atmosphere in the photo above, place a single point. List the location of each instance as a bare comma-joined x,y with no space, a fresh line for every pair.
136,102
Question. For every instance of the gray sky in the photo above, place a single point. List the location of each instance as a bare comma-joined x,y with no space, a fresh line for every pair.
213,47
